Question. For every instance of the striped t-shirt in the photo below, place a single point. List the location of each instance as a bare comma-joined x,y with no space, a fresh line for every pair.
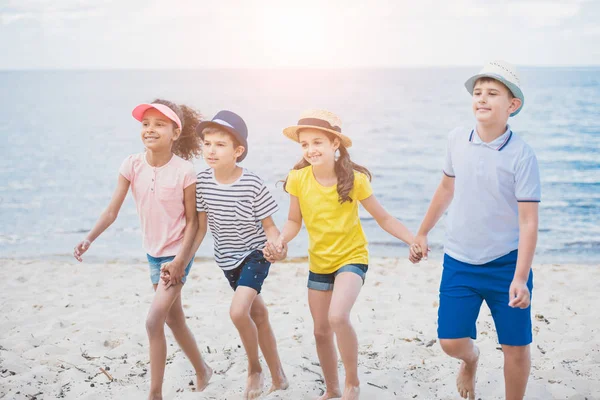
234,214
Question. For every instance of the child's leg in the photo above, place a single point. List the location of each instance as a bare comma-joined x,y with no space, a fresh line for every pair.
268,345
464,349
240,315
155,326
345,292
185,339
517,365
460,301
318,302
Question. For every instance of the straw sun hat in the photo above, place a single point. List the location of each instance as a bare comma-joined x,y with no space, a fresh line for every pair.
319,119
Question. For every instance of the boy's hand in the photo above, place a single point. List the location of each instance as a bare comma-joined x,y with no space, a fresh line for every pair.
81,248
518,294
419,250
275,251
171,273
421,241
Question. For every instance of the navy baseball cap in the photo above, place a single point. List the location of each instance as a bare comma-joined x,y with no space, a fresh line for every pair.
230,122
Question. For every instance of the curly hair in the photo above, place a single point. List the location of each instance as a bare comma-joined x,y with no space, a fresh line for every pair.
188,145
344,170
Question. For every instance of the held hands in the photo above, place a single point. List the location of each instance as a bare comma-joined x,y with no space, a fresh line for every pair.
81,248
416,250
518,294
275,251
171,273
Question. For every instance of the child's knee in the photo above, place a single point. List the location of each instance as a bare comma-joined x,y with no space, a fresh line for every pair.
338,320
154,324
238,315
259,315
452,347
323,333
516,354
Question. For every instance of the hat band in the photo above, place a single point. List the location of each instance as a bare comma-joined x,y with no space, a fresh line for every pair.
320,123
221,122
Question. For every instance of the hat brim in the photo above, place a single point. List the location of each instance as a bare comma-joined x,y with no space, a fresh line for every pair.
139,110
205,124
291,132
516,91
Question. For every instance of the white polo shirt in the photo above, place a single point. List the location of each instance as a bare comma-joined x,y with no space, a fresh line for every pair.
490,180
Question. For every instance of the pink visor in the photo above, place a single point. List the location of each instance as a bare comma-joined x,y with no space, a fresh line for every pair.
138,112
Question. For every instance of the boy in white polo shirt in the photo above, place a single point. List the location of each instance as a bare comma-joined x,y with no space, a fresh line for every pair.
491,185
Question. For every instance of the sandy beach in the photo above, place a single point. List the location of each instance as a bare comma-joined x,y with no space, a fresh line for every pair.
67,329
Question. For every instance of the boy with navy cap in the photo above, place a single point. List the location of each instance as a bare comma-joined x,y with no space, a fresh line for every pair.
237,206
491,185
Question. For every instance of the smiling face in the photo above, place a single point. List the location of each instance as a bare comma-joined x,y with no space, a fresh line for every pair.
219,148
317,147
493,102
158,132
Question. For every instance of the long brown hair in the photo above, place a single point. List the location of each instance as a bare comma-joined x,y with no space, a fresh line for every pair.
188,145
344,170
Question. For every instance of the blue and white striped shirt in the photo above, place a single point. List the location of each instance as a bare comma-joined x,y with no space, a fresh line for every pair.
234,214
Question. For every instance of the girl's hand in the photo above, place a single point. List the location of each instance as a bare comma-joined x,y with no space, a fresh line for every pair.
419,249
173,271
275,251
415,253
81,248
272,255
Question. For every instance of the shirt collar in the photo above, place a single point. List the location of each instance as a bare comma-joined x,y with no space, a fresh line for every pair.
497,144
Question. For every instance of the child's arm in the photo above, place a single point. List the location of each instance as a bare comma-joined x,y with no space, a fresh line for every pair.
176,268
106,219
272,235
386,221
528,230
198,238
439,204
290,228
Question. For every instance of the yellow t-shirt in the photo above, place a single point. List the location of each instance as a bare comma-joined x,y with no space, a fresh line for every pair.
335,235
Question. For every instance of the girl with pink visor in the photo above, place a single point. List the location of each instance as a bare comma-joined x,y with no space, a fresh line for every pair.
163,185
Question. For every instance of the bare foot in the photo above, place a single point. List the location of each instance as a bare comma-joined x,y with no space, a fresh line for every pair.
465,381
279,383
331,394
203,379
154,396
351,393
254,386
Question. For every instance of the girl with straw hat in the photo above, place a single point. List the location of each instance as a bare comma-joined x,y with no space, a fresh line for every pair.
325,191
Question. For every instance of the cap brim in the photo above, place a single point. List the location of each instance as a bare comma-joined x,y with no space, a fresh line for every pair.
205,124
516,91
138,111
291,132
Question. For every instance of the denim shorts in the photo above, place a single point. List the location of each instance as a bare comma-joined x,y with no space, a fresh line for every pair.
464,287
324,282
156,262
252,272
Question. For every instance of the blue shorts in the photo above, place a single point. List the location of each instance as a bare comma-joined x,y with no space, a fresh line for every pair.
252,272
156,262
324,282
463,289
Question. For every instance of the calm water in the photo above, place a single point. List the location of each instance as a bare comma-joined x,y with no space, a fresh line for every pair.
64,135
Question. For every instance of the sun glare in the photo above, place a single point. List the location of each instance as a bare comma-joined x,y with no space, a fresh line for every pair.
294,36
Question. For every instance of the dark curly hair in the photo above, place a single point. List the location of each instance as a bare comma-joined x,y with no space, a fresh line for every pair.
344,170
188,145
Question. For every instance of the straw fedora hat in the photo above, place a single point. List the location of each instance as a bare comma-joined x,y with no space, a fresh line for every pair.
503,72
319,119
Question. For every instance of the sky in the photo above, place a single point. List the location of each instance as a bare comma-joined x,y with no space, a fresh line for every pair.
190,34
